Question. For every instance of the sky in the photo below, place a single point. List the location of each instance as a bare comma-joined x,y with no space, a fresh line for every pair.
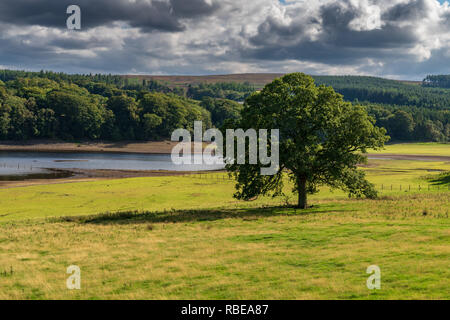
399,39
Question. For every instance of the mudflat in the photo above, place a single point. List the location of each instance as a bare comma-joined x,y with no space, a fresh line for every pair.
148,147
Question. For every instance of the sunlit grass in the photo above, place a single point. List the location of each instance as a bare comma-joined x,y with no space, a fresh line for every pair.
431,149
187,238
273,253
190,192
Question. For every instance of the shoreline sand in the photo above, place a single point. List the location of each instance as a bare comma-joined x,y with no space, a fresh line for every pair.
150,147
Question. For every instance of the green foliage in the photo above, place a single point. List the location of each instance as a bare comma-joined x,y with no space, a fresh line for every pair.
80,116
222,110
428,106
426,124
321,139
438,81
174,112
16,120
90,107
231,91
390,92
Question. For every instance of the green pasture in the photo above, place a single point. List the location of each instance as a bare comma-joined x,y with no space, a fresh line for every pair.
206,191
187,238
430,149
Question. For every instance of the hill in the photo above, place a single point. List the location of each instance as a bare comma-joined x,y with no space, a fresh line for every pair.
255,79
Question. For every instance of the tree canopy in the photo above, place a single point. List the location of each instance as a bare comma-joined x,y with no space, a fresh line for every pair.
322,139
116,103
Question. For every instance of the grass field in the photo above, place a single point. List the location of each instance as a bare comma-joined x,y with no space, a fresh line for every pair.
430,149
191,240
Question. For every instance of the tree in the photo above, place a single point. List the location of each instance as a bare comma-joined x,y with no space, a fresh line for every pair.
150,122
126,115
402,125
322,139
22,121
2,91
221,110
46,123
80,116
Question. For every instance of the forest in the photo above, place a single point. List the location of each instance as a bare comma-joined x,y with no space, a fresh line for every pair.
49,105
113,107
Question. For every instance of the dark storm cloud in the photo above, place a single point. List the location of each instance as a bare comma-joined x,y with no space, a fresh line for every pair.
337,42
392,37
271,31
155,15
336,16
193,8
412,10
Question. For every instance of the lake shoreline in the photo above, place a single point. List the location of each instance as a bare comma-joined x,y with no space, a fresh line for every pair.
86,175
47,146
149,148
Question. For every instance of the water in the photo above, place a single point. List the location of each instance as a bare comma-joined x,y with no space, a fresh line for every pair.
26,163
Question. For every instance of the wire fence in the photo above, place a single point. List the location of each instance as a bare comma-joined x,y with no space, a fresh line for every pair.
379,187
223,176
18,166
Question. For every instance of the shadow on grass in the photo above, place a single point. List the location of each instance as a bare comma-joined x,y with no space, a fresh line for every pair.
182,216
441,180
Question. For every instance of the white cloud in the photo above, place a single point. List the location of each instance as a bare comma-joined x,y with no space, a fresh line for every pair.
322,37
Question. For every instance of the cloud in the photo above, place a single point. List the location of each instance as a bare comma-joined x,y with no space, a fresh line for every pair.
398,38
148,15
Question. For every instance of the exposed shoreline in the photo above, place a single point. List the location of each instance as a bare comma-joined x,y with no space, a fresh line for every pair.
159,148
149,147
87,175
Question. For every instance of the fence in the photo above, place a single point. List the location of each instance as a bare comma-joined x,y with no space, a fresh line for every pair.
17,167
219,176
223,176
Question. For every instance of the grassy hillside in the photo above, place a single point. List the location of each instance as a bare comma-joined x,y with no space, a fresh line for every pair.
257,79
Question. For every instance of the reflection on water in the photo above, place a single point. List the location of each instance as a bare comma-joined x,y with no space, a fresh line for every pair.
35,163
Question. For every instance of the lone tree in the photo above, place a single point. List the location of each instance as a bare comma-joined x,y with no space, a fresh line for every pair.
322,139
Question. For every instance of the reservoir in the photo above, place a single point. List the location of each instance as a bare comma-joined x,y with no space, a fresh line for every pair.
38,163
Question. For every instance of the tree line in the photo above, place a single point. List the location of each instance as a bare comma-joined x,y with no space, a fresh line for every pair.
412,123
58,105
437,81
39,107
407,111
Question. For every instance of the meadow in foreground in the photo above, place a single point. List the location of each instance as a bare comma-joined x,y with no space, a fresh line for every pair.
189,239
265,253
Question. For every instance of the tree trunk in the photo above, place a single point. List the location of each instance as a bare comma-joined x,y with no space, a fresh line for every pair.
302,196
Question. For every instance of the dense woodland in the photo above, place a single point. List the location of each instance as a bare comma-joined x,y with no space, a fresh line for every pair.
50,105
439,81
111,107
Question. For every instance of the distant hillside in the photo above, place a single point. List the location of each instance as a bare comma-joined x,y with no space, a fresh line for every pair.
256,79
354,88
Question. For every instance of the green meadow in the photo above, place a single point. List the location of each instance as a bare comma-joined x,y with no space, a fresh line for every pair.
186,237
426,148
